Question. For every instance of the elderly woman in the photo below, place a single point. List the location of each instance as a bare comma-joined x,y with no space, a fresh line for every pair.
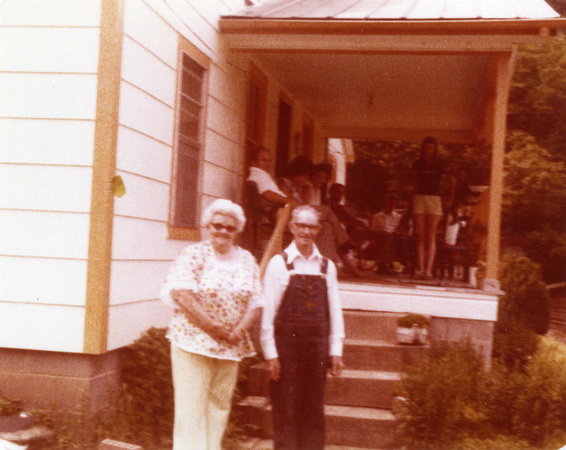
215,289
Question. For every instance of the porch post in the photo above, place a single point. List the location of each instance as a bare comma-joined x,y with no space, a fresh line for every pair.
503,72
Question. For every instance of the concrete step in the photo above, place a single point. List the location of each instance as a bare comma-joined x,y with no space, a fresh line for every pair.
353,388
345,425
362,354
370,389
380,326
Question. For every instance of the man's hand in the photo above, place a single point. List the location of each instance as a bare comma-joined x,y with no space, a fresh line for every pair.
336,366
273,368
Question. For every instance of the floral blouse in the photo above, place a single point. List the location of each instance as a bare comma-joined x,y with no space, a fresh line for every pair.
225,290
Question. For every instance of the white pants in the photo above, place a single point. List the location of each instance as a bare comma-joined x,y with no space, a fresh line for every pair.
203,395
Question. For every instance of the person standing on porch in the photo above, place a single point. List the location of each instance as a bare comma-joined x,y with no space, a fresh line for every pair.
427,205
302,334
215,289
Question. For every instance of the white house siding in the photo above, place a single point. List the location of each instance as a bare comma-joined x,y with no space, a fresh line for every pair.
47,106
141,250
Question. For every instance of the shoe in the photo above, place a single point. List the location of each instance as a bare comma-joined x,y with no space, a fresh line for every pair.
428,276
418,275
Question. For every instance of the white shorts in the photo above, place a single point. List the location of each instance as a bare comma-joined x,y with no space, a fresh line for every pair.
427,204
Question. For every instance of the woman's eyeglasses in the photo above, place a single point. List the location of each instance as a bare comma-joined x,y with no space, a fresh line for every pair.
220,226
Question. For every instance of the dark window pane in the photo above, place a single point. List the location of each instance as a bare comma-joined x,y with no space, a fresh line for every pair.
186,186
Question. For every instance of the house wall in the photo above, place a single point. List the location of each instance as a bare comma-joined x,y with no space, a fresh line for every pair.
48,83
141,249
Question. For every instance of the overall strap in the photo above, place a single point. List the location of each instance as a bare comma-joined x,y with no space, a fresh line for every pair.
324,266
285,260
290,266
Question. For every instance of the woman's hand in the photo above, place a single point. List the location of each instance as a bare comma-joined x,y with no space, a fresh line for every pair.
273,369
218,332
336,366
237,334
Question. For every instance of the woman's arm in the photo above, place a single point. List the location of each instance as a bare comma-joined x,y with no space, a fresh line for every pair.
190,307
239,331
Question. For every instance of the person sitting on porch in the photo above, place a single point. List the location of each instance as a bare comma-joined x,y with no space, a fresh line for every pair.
332,235
344,214
383,230
268,190
321,174
427,204
215,290
302,334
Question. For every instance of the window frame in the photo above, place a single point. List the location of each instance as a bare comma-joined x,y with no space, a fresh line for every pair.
186,48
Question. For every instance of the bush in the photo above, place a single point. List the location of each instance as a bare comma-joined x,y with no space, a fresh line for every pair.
526,298
450,402
443,396
514,343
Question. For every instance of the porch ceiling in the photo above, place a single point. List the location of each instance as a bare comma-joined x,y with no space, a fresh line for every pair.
386,96
389,70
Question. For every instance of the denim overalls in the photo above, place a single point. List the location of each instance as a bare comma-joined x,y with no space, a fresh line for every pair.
301,330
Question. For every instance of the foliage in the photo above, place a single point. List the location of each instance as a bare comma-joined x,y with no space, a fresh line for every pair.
530,405
408,320
535,187
451,402
443,396
537,102
514,343
526,298
383,167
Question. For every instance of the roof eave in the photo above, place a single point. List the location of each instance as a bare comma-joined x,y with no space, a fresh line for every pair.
533,27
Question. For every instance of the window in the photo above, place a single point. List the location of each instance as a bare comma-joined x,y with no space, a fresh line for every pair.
191,99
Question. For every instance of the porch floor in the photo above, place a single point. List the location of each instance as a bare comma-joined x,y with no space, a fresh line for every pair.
406,280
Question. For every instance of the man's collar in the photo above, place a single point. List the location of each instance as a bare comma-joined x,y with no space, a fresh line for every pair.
252,168
293,253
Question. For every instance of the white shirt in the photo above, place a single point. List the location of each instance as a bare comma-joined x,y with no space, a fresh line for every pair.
385,222
263,181
275,283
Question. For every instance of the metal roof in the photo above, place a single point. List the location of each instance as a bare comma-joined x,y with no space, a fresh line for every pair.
398,9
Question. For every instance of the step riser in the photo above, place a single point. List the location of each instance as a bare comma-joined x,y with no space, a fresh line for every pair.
356,392
370,393
344,431
383,358
370,326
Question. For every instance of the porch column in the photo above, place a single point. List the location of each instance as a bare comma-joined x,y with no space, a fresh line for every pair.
503,65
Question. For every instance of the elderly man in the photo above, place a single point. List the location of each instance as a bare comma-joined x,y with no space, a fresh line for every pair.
302,334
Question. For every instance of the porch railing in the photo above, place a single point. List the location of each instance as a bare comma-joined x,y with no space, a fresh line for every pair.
275,243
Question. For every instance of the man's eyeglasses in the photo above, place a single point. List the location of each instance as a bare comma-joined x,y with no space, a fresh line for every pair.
220,226
308,226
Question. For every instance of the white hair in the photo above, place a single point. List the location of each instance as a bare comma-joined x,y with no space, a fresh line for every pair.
305,209
226,208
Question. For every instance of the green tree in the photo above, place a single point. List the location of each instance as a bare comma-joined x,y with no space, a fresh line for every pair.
537,102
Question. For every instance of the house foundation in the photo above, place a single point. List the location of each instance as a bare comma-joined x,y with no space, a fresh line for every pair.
57,380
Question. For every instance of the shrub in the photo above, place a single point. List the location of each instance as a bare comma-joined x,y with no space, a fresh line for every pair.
443,396
147,394
514,343
526,298
541,406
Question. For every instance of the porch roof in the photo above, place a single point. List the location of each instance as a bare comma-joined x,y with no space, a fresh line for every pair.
401,9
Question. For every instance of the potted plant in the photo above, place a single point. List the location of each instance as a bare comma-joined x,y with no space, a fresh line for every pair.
412,329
